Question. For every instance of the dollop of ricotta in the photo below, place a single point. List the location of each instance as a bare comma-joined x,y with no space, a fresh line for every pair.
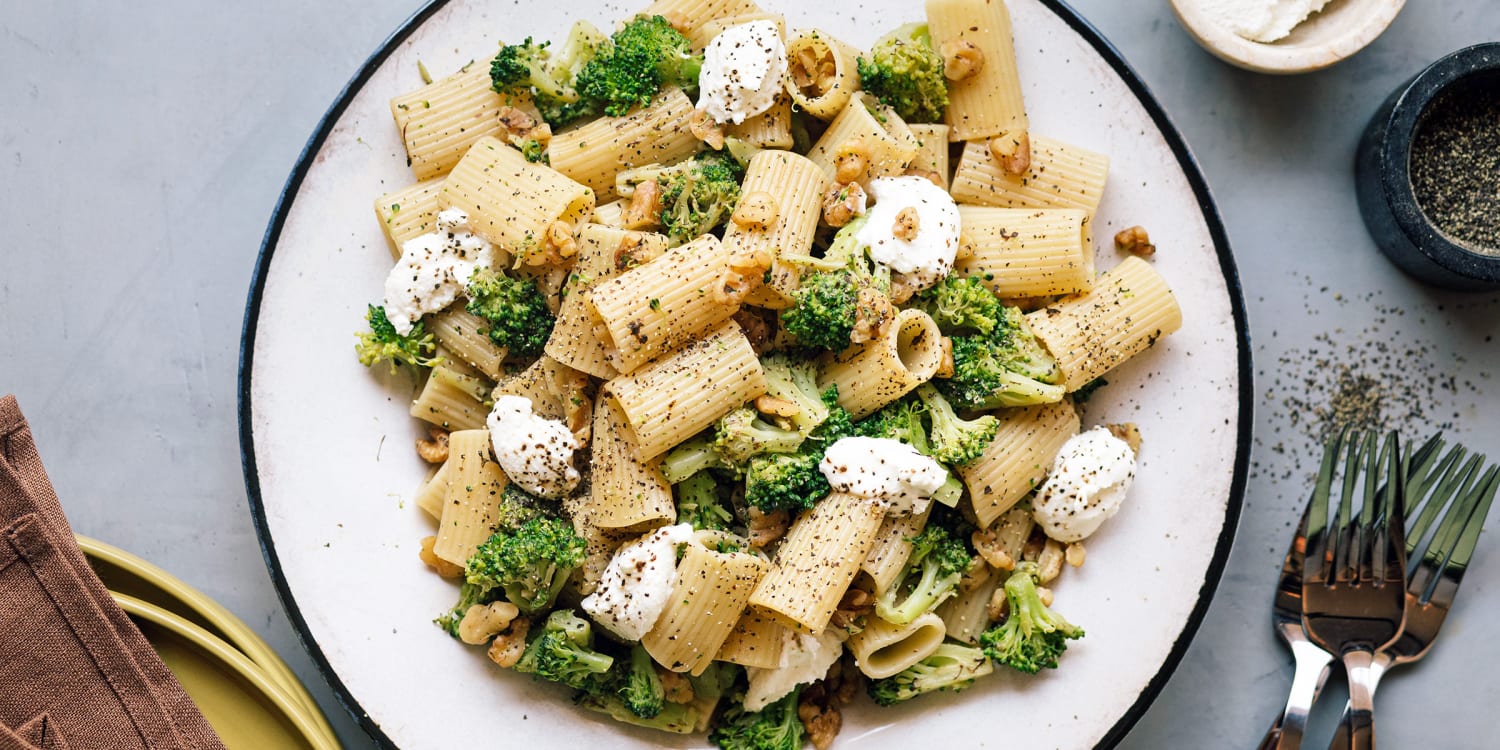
883,469
804,659
742,71
1088,483
433,269
1261,20
635,586
535,452
926,257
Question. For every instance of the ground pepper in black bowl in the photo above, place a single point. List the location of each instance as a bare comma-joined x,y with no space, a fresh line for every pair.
1428,172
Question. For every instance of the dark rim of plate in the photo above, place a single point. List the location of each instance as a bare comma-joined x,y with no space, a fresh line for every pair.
1185,160
1394,158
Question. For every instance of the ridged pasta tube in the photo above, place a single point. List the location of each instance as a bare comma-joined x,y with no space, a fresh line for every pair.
887,140
989,102
442,120
823,73
875,373
466,336
818,560
1027,252
797,185
1018,459
574,341
756,641
595,152
509,200
932,156
711,593
409,212
451,400
1060,176
473,499
625,492
882,649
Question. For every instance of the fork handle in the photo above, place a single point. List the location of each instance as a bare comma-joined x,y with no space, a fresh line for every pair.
1313,665
1356,729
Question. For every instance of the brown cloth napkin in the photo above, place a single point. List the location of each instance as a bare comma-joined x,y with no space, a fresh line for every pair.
75,673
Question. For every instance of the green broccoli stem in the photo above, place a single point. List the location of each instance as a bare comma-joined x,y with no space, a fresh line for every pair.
1033,636
698,503
691,457
931,589
951,667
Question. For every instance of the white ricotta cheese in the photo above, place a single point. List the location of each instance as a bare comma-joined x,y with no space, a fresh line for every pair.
433,270
804,659
634,587
1088,483
928,256
882,469
1261,20
742,71
535,452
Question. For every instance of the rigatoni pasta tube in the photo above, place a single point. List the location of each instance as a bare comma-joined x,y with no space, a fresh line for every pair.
892,547
988,102
756,641
611,214
442,120
822,73
509,200
674,398
408,213
1128,310
796,186
711,592
595,152
473,498
626,491
573,341
703,33
933,153
451,400
1027,252
1018,459
1060,176
875,373
886,139
466,336
966,615
882,649
662,304
769,129
688,16
433,492
818,560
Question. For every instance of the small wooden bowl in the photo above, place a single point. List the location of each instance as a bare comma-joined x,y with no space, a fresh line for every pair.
1341,29
1383,178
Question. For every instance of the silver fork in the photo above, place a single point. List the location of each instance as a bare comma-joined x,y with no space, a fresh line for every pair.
1438,566
1312,663
1354,579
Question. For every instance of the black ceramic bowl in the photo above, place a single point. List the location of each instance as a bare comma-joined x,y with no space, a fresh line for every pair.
1383,179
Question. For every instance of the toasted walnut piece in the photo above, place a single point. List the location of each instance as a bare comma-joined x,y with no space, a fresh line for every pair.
907,224
644,211
872,315
508,646
841,203
757,210
633,251
484,621
801,68
975,575
1129,432
998,605
855,604
822,722
931,175
706,129
1013,151
764,528
1035,543
851,161
1049,563
1135,241
1045,594
945,368
515,124
439,565
961,59
1075,554
758,330
987,544
733,286
813,70
777,407
902,289
675,687
560,238
434,450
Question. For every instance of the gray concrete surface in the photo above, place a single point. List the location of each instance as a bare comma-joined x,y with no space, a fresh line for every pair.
142,147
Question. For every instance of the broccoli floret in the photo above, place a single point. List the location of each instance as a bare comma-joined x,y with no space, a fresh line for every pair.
1018,349
961,305
826,304
981,379
951,667
775,727
382,342
640,688
1087,390
904,72
637,61
796,380
1033,636
515,308
899,420
533,151
931,575
564,652
531,68
699,503
468,596
954,440
679,718
517,506
742,434
693,456
793,481
530,564
697,194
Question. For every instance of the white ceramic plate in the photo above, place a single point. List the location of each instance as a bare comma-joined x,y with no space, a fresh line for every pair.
328,456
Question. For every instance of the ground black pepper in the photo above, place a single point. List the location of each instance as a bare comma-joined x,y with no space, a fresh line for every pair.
1455,163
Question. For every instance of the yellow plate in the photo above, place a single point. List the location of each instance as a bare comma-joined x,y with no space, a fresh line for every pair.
243,705
128,574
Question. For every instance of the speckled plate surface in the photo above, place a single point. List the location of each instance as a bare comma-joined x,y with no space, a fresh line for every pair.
329,464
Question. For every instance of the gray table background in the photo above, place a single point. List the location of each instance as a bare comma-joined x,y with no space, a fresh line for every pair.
143,145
